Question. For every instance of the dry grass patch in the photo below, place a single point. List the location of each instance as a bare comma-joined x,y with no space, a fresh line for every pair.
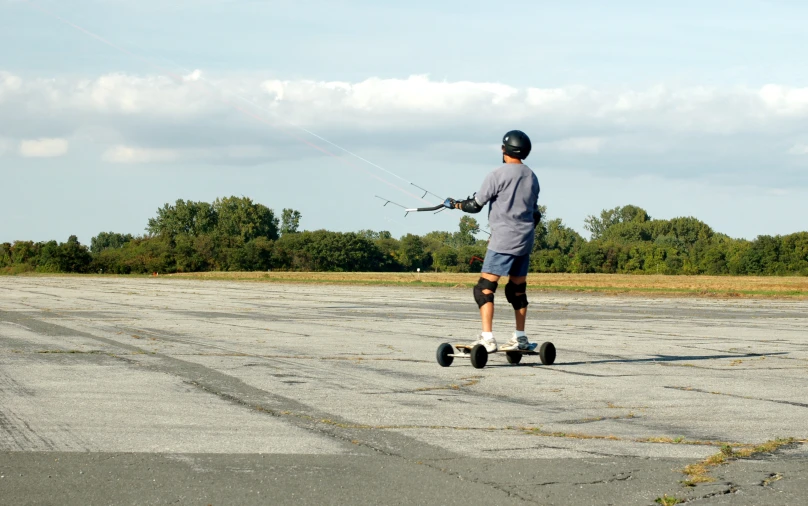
700,286
667,500
538,431
535,431
771,479
700,471
614,284
667,440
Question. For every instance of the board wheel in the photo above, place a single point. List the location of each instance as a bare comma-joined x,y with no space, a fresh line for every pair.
514,357
547,353
479,356
444,355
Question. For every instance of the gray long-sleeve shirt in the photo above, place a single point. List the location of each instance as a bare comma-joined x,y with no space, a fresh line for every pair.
512,192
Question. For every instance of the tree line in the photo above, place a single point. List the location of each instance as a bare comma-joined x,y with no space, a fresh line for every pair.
237,234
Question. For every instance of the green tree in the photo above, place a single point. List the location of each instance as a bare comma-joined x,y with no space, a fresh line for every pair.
48,257
290,221
73,256
470,258
794,253
686,229
105,240
610,217
194,253
628,232
445,259
373,235
412,253
469,225
554,246
240,217
561,237
321,250
433,241
388,246
184,217
238,234
590,258
5,254
23,252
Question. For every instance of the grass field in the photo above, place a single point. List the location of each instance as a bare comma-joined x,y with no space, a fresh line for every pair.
698,286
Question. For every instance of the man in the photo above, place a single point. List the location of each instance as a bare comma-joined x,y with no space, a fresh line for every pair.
512,193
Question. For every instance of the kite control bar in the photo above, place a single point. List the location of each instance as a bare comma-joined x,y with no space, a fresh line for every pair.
420,209
447,204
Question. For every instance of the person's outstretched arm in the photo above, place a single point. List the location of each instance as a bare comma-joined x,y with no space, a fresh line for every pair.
477,202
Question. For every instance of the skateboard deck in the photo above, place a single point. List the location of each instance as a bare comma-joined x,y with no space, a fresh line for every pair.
465,348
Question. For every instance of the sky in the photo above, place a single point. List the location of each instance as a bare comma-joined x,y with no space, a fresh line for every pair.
111,108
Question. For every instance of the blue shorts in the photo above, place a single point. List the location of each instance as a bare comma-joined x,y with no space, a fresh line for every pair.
503,264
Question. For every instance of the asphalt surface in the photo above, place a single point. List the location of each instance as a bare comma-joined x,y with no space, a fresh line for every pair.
161,391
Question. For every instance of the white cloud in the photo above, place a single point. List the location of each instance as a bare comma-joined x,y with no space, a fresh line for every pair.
128,154
799,148
9,83
586,145
415,101
682,130
785,101
43,148
244,152
193,76
415,92
222,154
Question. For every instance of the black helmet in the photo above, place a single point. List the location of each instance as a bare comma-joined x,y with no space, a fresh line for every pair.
516,144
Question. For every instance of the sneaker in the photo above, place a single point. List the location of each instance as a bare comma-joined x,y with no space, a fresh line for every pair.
518,343
490,344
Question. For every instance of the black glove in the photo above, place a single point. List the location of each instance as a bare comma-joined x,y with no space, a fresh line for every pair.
470,205
536,217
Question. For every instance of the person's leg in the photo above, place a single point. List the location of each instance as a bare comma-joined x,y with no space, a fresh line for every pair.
516,293
487,309
521,313
495,265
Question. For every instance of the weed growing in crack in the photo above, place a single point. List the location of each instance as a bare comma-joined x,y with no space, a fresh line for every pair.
771,479
667,500
700,471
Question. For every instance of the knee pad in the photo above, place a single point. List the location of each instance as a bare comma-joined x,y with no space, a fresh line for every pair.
484,298
517,301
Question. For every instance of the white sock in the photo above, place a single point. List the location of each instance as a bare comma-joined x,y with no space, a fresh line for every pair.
488,336
519,333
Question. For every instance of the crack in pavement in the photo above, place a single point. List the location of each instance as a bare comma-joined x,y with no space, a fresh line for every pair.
771,479
690,389
617,477
731,489
389,444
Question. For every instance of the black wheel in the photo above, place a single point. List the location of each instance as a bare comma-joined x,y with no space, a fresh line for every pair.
444,355
514,357
479,356
547,353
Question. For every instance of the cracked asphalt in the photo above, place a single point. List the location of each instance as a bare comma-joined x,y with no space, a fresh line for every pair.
157,391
